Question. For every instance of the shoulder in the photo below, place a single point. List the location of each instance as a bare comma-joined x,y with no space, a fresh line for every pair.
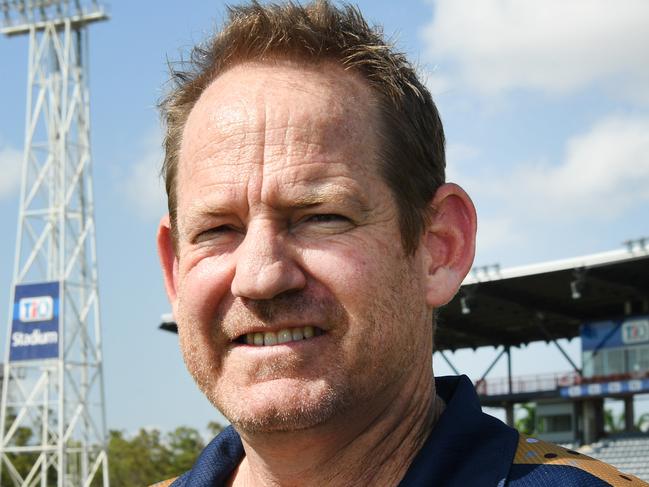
538,463
215,463
165,483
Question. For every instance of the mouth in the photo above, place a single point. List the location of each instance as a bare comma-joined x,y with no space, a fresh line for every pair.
285,335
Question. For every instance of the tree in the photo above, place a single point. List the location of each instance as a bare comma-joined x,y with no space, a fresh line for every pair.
139,460
527,424
214,428
613,424
185,444
643,422
22,462
149,456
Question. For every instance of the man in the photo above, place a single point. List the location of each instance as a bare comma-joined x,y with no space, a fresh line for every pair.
309,240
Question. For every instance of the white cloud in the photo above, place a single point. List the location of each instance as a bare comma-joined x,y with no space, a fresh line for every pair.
555,46
602,177
143,187
10,170
604,173
494,231
436,82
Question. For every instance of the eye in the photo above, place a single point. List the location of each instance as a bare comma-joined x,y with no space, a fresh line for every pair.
326,218
219,232
323,224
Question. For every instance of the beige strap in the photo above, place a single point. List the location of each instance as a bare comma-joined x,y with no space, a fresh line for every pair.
164,483
531,451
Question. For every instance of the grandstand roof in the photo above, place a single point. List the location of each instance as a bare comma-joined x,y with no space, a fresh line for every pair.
545,301
540,302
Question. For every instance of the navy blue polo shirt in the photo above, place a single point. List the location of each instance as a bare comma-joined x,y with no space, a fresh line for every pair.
466,448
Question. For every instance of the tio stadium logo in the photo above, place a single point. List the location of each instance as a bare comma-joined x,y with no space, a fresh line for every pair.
36,337
39,308
635,331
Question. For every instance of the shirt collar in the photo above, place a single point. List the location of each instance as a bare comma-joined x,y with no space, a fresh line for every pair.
466,447
216,462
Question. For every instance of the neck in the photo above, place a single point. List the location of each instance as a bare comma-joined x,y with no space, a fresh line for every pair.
368,446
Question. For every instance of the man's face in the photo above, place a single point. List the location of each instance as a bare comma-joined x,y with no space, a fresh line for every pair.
287,231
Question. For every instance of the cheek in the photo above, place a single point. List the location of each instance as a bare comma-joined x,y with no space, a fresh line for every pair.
359,278
204,286
344,271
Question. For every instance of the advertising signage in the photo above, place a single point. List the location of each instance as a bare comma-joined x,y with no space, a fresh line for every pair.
35,322
615,333
632,386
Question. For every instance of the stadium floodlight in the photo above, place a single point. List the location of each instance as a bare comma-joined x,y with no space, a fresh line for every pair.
467,299
19,16
575,290
637,244
465,305
578,284
53,371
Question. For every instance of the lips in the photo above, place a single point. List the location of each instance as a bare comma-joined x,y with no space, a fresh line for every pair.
278,337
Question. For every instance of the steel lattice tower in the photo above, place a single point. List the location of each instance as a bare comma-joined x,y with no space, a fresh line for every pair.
52,423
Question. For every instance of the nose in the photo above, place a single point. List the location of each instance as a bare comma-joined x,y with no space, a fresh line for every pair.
265,266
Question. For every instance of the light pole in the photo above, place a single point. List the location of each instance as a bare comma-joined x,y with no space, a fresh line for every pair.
53,416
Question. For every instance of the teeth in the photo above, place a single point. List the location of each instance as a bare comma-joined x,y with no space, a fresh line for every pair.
270,338
297,334
282,336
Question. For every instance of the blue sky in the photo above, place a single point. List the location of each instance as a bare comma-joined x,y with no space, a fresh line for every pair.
546,111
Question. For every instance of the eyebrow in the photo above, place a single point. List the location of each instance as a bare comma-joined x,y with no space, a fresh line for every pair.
198,213
321,196
312,198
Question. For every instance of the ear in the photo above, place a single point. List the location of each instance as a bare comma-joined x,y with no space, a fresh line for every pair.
168,259
448,243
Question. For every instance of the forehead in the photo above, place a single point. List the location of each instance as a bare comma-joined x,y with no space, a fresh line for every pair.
265,92
261,111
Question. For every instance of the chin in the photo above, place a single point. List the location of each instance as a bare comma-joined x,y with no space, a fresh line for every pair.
280,406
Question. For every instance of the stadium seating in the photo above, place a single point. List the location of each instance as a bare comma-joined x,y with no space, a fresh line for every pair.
630,455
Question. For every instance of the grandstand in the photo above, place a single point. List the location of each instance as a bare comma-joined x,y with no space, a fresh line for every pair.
603,299
629,455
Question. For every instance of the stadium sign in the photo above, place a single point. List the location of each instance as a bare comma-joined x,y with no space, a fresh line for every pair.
614,333
635,331
35,323
632,386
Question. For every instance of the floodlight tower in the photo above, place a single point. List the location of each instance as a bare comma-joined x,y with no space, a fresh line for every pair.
52,419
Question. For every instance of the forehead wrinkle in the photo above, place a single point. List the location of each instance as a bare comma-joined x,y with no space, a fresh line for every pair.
307,164
255,140
214,147
212,122
227,154
324,128
258,118
293,149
